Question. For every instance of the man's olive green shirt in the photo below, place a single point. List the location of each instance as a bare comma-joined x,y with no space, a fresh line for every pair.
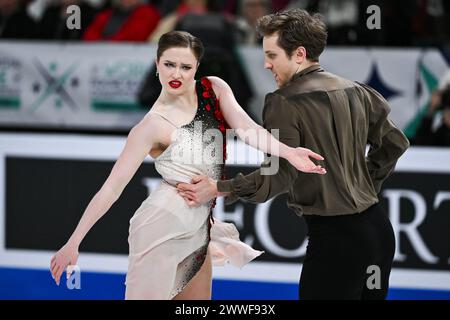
336,118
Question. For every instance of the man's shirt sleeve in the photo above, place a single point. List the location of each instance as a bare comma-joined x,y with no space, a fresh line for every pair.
257,187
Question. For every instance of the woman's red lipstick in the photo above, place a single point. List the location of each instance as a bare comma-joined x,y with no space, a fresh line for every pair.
175,84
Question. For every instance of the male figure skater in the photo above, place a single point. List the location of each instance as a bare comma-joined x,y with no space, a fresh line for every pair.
348,230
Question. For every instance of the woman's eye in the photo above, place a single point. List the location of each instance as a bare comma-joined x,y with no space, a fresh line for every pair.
169,64
186,68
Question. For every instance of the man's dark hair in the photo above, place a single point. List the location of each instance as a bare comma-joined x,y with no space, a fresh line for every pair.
295,28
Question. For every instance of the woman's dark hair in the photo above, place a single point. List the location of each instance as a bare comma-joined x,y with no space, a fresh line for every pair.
180,39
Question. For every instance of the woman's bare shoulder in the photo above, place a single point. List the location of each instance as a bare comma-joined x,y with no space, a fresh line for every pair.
155,126
151,121
220,87
217,82
155,116
150,124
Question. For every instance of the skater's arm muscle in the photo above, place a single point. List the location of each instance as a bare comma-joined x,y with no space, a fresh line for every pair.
138,144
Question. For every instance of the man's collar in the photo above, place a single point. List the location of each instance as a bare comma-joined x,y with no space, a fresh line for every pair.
310,69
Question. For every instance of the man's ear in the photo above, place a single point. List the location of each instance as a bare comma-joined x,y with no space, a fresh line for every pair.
300,54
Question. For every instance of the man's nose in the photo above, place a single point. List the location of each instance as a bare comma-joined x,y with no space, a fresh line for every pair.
267,65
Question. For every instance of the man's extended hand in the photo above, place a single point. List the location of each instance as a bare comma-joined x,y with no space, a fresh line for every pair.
200,191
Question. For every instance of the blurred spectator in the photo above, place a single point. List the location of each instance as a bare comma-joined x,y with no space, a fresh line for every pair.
250,12
431,22
347,19
279,5
35,8
202,19
403,22
169,22
398,17
127,20
342,18
53,22
166,7
440,101
15,23
221,55
234,7
230,7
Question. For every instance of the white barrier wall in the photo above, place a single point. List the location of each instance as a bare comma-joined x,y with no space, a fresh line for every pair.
47,180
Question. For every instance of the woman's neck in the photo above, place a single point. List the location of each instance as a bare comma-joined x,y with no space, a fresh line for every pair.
185,100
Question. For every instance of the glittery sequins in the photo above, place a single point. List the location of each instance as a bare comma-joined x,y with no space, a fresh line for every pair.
198,147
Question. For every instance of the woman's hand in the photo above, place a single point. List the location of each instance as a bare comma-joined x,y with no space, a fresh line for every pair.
66,256
300,159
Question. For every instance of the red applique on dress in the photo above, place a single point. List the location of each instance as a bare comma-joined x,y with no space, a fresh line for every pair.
208,92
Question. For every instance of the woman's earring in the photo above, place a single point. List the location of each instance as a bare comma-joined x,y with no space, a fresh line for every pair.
157,73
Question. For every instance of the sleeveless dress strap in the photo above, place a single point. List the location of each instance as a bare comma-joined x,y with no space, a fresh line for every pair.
165,118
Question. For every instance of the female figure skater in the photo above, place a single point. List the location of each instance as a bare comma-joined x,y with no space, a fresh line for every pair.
170,244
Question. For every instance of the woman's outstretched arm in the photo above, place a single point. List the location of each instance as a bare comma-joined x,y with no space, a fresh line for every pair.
258,137
139,143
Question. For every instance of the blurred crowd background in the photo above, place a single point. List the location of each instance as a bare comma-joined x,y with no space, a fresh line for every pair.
405,23
224,24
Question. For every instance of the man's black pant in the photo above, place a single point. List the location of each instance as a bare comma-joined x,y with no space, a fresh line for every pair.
348,256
